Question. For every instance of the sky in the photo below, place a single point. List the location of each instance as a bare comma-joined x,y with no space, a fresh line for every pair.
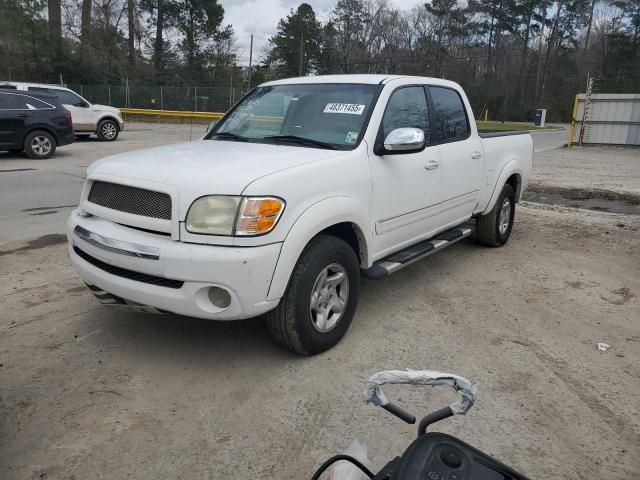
261,18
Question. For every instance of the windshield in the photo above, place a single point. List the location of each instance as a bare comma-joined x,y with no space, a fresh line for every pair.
325,115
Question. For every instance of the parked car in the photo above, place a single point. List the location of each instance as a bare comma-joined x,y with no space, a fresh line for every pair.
304,186
106,122
35,124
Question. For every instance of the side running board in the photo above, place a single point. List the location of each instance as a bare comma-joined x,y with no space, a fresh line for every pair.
412,254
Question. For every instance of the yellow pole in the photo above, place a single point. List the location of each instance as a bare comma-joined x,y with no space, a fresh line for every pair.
486,114
572,128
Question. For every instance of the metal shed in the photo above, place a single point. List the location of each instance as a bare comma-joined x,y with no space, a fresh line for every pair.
607,118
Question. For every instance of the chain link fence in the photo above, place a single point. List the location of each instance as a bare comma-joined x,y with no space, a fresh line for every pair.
199,99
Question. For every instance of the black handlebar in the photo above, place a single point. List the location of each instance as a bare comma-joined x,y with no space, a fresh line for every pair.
400,413
434,417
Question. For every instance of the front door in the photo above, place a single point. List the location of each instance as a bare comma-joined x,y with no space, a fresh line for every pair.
406,186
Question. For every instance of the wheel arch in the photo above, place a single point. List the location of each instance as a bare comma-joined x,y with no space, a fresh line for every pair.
321,219
46,128
108,117
510,174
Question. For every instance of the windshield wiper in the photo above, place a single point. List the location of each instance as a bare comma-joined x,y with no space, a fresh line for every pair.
301,141
230,136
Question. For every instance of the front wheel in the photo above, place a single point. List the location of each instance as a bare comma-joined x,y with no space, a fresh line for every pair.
321,298
108,130
494,228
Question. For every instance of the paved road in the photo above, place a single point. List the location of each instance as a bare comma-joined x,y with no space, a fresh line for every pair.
36,196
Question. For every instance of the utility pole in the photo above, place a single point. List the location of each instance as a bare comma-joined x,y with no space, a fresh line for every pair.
301,53
250,59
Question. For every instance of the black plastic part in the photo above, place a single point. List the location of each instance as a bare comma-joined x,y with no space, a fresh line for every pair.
130,274
337,458
500,133
400,413
450,235
411,252
441,456
375,273
434,417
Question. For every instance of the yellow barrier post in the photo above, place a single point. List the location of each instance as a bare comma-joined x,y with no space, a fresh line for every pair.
572,128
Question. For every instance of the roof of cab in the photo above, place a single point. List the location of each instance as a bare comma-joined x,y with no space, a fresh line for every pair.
355,78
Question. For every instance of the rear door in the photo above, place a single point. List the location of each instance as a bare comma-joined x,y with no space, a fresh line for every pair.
462,161
13,114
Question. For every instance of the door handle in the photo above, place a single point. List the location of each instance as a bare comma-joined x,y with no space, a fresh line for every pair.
432,165
476,155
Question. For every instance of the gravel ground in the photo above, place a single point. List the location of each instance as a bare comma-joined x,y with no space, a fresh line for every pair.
609,169
88,392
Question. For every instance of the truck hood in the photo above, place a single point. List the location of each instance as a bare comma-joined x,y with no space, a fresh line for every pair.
205,167
105,108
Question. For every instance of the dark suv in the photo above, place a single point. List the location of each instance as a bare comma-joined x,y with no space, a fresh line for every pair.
33,123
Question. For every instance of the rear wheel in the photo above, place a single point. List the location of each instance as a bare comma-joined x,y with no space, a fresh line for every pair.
494,228
40,145
321,298
108,130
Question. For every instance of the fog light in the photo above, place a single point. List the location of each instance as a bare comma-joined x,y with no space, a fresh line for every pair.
219,297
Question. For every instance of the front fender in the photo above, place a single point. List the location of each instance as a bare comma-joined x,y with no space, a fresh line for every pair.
316,218
509,169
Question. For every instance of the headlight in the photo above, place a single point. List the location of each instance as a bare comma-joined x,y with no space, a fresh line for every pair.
227,215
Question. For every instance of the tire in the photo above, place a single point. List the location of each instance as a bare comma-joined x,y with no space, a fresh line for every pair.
296,323
107,130
492,229
39,145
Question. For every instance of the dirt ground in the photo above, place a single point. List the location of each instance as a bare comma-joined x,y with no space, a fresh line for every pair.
608,169
88,392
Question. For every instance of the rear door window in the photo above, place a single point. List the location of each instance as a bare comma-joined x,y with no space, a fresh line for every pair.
10,101
451,117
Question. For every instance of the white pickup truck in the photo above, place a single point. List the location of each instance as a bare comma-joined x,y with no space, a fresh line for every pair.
304,186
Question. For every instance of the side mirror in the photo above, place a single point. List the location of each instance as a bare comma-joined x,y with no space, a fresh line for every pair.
404,140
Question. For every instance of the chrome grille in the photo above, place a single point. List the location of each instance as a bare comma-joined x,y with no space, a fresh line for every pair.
137,201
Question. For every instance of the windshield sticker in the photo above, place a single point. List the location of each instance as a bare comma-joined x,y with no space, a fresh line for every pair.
351,137
351,108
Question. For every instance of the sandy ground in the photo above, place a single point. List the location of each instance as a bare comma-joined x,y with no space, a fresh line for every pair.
609,169
88,392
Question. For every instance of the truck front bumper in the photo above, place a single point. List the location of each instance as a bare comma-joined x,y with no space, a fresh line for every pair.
150,270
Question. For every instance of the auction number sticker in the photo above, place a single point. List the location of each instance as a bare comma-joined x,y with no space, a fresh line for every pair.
352,108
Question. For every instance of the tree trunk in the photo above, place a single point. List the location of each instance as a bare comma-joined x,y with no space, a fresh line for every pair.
523,63
85,32
55,27
589,23
158,52
543,9
132,32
